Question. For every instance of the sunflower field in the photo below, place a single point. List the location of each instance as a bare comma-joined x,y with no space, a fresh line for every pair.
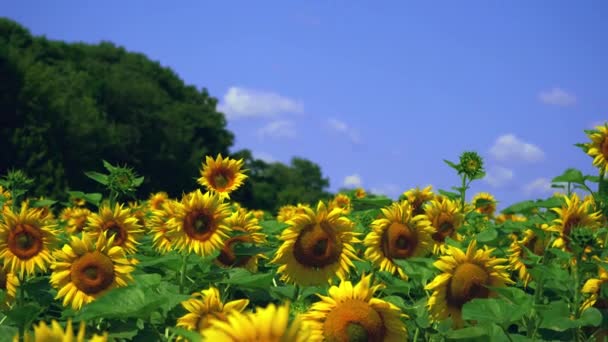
429,266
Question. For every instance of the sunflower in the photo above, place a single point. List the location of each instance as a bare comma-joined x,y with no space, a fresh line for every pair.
360,193
259,214
502,218
26,240
418,198
598,147
82,271
341,201
517,253
139,212
76,219
592,287
199,224
119,223
398,235
353,314
574,213
157,224
287,212
9,282
445,216
464,277
316,247
56,333
205,306
156,200
246,230
222,175
484,203
269,324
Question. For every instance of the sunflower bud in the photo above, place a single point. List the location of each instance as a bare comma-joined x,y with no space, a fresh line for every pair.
581,237
471,164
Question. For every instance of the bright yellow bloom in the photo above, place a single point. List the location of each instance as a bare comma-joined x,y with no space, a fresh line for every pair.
317,246
199,224
269,324
26,240
593,286
9,282
598,147
76,218
156,200
487,205
502,218
353,314
287,212
158,226
517,253
418,198
246,230
341,201
445,216
572,214
222,175
83,271
465,277
56,333
206,306
360,193
118,222
398,235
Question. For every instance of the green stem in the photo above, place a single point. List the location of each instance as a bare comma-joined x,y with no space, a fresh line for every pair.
296,293
416,334
463,190
182,273
20,303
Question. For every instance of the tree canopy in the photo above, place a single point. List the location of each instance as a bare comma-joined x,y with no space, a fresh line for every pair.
66,106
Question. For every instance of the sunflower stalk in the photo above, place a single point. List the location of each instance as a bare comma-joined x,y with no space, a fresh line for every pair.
538,292
182,273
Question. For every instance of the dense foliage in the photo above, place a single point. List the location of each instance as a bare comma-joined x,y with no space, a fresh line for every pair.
64,107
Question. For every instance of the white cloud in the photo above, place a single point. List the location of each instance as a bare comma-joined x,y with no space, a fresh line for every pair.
557,97
343,128
278,129
390,190
498,176
352,181
243,102
538,186
509,147
267,157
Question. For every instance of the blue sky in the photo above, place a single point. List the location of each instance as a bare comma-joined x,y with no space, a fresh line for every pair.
377,93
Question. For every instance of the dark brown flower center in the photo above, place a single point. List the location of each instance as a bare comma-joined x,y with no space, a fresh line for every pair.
199,225
93,273
570,223
222,179
467,283
317,245
2,279
354,320
444,229
227,256
399,241
112,228
25,241
604,148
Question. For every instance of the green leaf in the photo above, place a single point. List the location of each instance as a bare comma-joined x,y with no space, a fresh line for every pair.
98,177
449,194
487,235
246,279
590,317
283,292
94,198
593,179
108,166
191,336
371,203
571,175
397,301
25,315
273,227
452,165
42,203
520,207
137,181
553,202
496,310
135,301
